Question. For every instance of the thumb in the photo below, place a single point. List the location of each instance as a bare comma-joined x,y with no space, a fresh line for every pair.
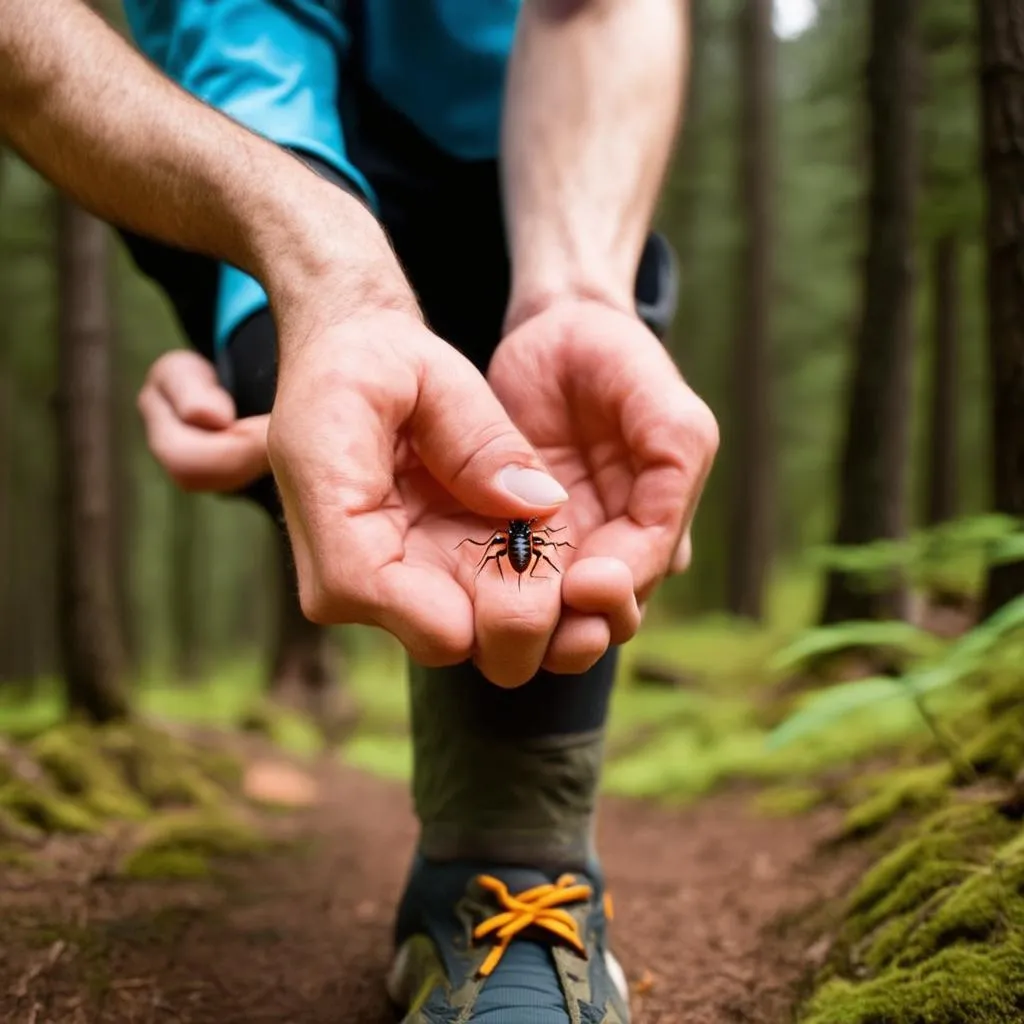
469,444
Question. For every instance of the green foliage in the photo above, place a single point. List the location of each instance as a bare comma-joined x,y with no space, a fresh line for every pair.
788,801
824,640
949,556
967,656
912,789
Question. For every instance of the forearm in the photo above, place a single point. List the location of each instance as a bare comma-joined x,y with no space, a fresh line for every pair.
100,122
594,99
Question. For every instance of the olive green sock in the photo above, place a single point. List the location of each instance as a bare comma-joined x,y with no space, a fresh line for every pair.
483,792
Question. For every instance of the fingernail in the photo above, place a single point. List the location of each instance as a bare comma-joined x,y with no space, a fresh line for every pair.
532,486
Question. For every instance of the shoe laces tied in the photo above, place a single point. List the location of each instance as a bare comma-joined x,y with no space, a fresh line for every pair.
539,907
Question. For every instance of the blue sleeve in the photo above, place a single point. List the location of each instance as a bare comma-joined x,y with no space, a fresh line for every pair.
272,65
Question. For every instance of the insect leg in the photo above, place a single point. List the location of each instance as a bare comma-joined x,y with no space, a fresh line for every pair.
540,555
550,529
480,543
496,540
497,556
553,543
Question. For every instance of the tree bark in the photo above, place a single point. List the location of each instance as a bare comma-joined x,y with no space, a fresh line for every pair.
873,471
7,544
306,669
683,197
753,454
123,416
301,660
87,612
943,431
1001,24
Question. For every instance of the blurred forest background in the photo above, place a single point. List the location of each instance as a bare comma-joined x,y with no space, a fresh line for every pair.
827,205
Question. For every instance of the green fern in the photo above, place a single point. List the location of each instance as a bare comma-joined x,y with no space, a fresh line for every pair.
960,660
947,555
829,639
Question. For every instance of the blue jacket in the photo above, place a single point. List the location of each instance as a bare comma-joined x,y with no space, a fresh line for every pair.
274,66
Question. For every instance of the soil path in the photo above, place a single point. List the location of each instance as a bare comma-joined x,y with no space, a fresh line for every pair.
701,899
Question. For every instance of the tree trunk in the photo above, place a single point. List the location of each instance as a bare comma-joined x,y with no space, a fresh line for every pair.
753,455
185,630
1002,97
87,612
943,431
302,654
683,194
7,546
873,473
123,414
305,667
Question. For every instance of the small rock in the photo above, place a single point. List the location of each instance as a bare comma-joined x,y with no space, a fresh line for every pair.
274,782
817,953
644,984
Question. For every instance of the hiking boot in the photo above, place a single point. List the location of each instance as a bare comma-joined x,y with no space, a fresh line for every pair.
505,945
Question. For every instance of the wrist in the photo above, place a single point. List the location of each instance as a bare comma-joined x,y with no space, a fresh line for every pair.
323,259
529,301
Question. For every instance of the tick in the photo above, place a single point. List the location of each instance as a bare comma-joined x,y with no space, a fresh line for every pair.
522,544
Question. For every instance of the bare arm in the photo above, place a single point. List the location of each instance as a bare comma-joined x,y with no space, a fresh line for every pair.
594,100
93,116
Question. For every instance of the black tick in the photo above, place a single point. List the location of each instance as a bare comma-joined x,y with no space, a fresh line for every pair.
522,544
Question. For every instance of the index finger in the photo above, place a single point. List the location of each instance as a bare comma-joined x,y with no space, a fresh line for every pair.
673,451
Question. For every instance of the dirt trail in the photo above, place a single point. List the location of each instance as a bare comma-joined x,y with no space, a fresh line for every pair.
304,938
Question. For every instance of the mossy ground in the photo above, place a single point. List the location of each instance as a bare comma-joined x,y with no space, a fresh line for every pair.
184,800
183,845
934,933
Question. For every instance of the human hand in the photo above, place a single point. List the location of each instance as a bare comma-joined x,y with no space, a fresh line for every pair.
192,429
597,394
389,449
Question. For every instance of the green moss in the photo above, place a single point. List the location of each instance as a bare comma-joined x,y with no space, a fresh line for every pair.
164,770
14,828
222,767
946,837
999,749
186,839
73,759
911,789
788,801
960,985
155,864
283,726
934,933
39,808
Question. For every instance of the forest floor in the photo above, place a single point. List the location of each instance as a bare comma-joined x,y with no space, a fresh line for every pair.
716,916
868,868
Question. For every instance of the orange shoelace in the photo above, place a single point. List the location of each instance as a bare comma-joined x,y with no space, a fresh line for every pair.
537,907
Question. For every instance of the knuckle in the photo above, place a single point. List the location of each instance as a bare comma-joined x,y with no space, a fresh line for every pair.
704,428
525,624
437,655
